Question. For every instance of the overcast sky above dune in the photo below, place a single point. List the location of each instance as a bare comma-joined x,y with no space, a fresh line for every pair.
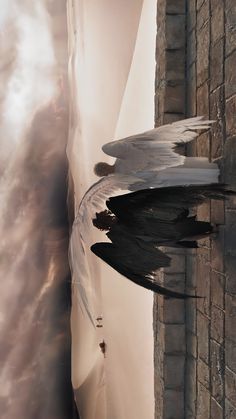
109,63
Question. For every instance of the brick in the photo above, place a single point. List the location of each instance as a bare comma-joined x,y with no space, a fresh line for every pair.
230,167
216,410
217,212
174,371
230,317
175,65
203,149
217,62
217,289
200,3
190,388
217,20
203,281
171,311
175,31
191,315
191,341
230,75
168,118
230,411
191,14
217,371
230,112
174,404
230,354
230,26
174,339
191,269
203,14
203,39
191,48
217,324
230,231
175,6
203,403
203,337
217,129
230,386
174,98
217,250
177,265
230,269
203,373
191,92
203,100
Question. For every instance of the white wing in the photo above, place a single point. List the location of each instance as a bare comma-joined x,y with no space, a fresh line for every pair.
84,265
154,149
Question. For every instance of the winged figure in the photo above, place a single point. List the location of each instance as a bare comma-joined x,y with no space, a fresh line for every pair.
160,188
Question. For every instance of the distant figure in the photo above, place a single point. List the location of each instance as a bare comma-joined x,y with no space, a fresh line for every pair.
103,347
99,319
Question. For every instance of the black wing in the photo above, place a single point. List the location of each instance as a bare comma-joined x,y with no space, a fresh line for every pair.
150,218
136,265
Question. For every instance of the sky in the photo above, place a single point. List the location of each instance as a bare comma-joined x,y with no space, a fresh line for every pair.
35,379
51,98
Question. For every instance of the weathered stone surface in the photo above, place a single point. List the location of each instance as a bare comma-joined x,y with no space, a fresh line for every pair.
175,6
217,62
217,20
175,65
230,353
230,26
217,130
168,118
191,339
174,371
217,212
177,264
175,31
191,48
191,15
217,324
230,411
203,39
216,410
230,269
191,388
230,386
174,98
230,317
230,74
217,250
217,288
203,148
230,110
171,311
230,233
217,371
230,167
203,14
200,3
173,404
203,403
203,100
203,373
203,337
174,338
191,92
203,281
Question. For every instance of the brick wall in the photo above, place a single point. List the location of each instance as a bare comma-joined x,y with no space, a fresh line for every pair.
169,315
200,337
